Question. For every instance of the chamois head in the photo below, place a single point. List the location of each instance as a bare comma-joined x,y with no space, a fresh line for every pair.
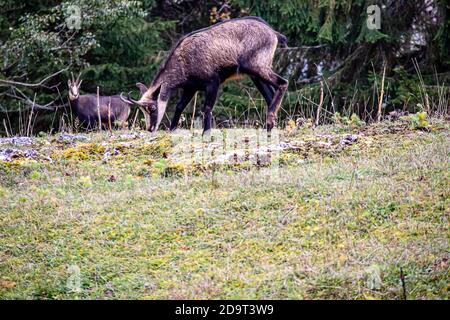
148,106
74,87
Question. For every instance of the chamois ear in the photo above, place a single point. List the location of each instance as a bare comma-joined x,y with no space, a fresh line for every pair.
142,87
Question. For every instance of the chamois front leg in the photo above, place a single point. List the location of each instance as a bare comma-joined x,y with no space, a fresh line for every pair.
187,96
210,99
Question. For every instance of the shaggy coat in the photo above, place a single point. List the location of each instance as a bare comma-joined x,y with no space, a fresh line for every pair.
204,59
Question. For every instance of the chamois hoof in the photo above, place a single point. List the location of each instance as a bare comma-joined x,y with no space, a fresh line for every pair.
206,134
270,122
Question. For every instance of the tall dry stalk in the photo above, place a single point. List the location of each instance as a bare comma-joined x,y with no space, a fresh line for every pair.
6,128
98,110
380,102
135,119
422,88
109,116
319,107
30,118
193,112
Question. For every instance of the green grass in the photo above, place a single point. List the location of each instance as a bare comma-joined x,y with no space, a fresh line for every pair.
158,220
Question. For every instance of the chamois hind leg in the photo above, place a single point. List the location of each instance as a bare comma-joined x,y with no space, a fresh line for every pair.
270,78
187,96
211,92
266,90
281,86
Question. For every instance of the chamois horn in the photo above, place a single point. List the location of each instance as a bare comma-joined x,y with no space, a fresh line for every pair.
126,100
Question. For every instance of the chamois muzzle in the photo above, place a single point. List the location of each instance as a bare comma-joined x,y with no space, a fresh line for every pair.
149,106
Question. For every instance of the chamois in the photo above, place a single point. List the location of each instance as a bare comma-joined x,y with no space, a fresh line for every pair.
112,108
206,58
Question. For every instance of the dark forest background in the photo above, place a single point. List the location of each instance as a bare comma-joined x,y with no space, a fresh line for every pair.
122,42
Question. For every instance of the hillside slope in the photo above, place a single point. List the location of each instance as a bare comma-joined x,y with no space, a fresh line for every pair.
331,213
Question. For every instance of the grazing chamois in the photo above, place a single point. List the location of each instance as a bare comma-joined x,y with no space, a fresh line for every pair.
204,59
112,109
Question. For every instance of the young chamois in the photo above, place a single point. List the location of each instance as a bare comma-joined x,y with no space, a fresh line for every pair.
204,59
112,109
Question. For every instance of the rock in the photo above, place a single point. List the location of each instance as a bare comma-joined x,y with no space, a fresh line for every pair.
321,143
8,154
17,141
132,135
68,138
349,139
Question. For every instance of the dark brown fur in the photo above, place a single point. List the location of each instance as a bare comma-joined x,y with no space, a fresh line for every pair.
203,60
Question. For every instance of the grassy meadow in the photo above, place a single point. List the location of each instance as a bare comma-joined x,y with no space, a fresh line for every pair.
336,212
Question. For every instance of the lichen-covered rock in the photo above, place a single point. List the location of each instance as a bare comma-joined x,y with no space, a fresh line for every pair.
349,139
8,154
68,138
17,141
